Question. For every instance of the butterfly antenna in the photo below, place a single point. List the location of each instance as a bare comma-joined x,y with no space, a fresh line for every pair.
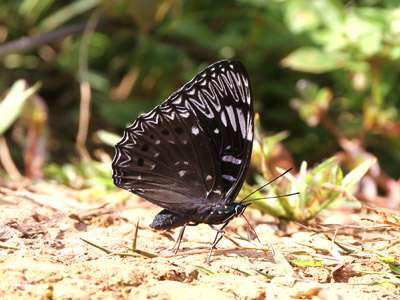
271,197
260,188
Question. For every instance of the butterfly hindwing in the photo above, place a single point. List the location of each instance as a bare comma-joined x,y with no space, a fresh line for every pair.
161,158
221,100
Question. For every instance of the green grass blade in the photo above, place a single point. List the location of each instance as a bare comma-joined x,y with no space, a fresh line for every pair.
68,12
108,138
289,211
240,271
346,247
126,254
302,188
265,274
357,173
322,166
11,106
313,247
136,235
267,209
205,270
145,253
96,246
282,263
305,181
308,262
4,246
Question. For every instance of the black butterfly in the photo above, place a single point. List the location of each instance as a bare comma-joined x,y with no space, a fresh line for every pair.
190,155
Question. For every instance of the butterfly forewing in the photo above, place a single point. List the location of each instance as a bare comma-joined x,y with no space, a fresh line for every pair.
195,146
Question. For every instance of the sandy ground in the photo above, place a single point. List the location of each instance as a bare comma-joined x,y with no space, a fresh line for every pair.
46,223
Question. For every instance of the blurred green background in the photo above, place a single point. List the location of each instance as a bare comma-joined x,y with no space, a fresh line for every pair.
324,72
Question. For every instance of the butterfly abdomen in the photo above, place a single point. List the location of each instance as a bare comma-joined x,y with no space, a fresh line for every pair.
168,220
214,214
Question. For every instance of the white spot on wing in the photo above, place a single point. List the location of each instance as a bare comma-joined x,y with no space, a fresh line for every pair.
216,130
250,133
229,178
217,192
195,130
182,173
242,121
223,118
231,115
209,177
231,159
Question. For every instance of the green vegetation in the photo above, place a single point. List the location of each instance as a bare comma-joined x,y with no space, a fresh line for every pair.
324,78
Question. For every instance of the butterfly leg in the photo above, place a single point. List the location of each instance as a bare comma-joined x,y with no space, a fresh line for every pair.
178,241
218,232
218,237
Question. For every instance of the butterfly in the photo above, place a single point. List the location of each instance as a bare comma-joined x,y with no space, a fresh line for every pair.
190,154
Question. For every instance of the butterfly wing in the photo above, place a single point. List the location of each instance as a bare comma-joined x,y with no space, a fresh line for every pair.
220,97
166,158
196,145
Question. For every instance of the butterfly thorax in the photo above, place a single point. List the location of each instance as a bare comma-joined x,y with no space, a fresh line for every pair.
219,214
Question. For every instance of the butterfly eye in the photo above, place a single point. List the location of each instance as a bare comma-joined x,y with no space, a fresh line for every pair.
239,210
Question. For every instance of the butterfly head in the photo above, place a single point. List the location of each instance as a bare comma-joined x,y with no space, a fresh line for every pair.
240,208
